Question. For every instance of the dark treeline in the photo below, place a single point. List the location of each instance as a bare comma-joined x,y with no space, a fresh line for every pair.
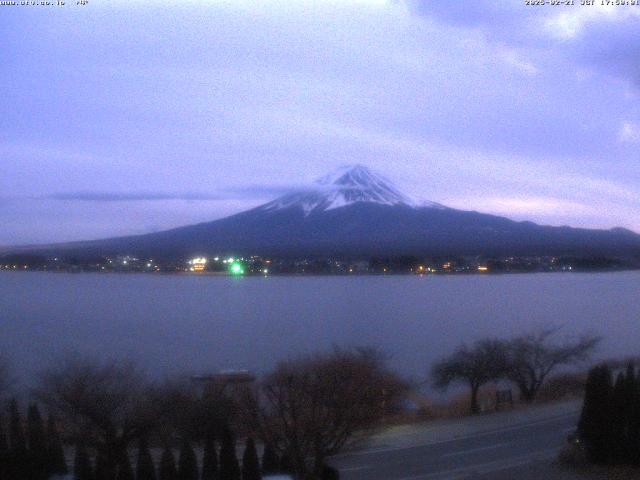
29,448
119,425
609,426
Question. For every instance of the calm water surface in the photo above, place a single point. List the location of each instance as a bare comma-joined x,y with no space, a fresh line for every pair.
199,324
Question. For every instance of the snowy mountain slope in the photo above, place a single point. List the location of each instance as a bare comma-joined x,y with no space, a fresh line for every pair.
346,186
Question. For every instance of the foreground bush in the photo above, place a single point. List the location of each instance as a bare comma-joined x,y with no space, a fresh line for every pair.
609,424
310,408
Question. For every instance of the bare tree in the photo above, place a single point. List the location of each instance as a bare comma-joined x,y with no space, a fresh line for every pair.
531,358
310,408
106,404
483,362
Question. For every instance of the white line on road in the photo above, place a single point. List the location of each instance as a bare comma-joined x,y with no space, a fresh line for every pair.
355,469
473,450
373,451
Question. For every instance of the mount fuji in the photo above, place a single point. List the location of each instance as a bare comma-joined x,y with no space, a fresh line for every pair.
357,212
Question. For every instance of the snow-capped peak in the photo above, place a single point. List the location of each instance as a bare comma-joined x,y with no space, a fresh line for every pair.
359,184
345,186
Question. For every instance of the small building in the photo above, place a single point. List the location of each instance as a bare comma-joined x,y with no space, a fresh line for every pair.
221,381
198,264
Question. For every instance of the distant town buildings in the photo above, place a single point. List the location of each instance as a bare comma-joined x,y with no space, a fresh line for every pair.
219,264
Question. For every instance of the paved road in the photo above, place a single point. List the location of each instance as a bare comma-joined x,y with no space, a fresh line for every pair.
505,441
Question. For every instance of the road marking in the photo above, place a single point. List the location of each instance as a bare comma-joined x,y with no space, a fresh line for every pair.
355,469
373,451
473,450
408,429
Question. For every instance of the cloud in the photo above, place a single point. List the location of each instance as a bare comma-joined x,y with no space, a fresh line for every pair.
469,14
603,37
629,132
534,206
261,191
129,196
513,58
244,192
579,23
612,46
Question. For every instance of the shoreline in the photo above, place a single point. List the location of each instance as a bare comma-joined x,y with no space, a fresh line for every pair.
351,274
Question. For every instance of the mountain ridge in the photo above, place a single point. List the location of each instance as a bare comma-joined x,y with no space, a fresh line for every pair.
357,212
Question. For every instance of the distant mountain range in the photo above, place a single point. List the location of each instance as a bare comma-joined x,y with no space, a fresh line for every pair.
356,212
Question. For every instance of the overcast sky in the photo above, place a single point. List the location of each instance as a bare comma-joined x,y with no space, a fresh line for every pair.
131,117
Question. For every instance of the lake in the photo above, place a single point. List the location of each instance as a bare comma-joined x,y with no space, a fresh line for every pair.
199,324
